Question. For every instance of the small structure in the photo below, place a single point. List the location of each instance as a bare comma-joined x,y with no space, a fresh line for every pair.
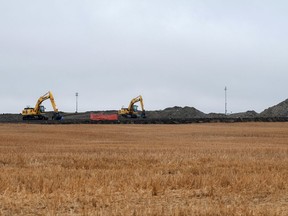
103,117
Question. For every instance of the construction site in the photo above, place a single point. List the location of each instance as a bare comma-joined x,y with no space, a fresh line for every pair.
151,131
133,161
131,114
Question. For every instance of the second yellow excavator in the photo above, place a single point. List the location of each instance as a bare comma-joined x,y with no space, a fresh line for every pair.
131,111
36,112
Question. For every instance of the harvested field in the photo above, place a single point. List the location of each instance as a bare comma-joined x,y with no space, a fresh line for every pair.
194,169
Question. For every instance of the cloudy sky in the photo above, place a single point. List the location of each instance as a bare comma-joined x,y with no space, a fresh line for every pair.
172,52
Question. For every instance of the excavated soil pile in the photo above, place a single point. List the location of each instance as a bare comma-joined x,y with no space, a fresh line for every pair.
176,112
248,114
10,117
76,116
279,110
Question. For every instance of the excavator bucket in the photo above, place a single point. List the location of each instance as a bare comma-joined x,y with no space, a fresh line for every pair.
143,114
57,116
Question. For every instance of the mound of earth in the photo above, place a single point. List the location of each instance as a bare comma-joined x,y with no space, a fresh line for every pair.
176,112
279,110
216,115
248,114
10,117
76,116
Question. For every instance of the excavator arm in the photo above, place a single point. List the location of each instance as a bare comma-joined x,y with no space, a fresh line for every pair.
41,100
53,102
135,100
46,96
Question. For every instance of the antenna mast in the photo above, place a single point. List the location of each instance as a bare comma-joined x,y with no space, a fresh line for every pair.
76,101
225,100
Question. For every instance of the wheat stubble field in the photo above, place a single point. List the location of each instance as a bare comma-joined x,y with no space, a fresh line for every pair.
197,169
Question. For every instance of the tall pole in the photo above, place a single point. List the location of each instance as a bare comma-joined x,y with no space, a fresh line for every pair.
225,100
76,101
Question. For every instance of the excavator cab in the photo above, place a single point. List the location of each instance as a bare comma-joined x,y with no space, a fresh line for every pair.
135,108
41,109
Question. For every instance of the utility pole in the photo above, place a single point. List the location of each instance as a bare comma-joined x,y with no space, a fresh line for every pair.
225,100
76,101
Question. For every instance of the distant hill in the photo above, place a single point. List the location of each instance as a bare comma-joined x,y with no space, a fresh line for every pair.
279,110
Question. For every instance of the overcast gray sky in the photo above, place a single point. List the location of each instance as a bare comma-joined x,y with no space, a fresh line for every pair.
172,52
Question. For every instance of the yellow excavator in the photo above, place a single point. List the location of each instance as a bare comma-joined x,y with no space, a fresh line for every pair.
132,110
36,112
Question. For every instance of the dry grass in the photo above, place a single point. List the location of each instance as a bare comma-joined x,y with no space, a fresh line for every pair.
198,169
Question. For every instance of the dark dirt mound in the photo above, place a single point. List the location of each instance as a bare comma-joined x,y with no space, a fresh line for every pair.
10,117
176,112
76,116
248,114
279,110
216,115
